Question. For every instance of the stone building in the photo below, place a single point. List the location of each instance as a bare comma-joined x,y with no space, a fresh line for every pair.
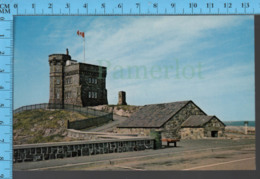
76,83
201,126
166,117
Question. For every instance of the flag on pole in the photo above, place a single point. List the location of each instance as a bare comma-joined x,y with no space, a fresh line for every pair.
81,34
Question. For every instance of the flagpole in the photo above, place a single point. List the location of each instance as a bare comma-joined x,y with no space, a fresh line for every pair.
84,48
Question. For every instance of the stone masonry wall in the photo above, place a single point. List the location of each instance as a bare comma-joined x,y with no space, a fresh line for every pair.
90,122
72,87
172,127
214,125
93,80
58,150
56,62
192,133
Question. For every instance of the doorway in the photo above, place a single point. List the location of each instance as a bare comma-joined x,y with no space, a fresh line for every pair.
214,133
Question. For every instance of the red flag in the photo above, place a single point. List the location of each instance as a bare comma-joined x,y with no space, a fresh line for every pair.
81,34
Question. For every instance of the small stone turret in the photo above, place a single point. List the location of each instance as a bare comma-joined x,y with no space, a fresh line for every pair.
121,98
57,63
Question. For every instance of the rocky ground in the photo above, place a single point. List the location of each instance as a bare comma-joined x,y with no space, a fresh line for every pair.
39,126
120,110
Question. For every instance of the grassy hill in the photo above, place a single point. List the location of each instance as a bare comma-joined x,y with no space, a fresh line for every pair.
38,126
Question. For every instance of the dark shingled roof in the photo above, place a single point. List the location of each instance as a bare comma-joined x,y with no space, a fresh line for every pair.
196,121
154,115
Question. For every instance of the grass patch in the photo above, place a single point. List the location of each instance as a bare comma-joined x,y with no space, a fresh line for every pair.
37,126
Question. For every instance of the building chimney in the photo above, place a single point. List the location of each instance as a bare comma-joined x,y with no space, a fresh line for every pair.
121,98
67,51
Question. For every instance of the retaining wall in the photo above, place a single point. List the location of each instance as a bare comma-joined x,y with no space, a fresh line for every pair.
83,135
47,151
90,122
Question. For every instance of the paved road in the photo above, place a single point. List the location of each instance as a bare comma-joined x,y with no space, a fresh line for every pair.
248,163
186,147
225,159
105,128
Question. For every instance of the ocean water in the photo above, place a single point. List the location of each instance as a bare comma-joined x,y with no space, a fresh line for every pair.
239,123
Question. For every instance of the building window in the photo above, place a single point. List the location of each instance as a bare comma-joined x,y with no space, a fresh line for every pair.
58,96
68,81
58,81
92,94
92,80
68,94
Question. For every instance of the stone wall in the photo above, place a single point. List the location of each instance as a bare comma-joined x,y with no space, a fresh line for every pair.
57,62
93,80
47,151
214,125
72,87
121,98
90,122
204,132
83,135
172,128
192,133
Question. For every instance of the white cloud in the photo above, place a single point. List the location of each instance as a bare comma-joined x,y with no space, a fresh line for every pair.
148,40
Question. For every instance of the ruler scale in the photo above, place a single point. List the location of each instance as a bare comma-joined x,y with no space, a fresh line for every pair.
8,10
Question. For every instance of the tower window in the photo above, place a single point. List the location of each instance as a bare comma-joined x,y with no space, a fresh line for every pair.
68,94
68,81
58,81
92,80
58,96
92,94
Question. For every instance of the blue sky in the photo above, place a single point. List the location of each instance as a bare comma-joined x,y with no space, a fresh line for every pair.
208,59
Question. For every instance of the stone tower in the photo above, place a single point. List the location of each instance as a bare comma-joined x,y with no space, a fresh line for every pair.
122,98
74,83
57,64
